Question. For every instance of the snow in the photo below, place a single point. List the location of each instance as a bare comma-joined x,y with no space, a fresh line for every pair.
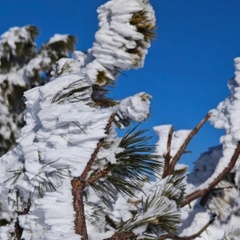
170,141
63,128
163,132
13,36
223,201
226,116
36,63
135,107
58,38
45,151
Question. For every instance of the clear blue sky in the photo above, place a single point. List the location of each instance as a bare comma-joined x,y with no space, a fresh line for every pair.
188,65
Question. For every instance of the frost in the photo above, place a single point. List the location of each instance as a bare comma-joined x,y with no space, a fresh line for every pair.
64,127
226,116
170,142
135,107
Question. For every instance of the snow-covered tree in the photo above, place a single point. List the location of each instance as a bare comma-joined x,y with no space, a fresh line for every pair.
72,177
23,66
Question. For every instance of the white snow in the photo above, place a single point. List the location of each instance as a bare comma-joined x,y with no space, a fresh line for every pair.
135,107
63,129
13,36
58,38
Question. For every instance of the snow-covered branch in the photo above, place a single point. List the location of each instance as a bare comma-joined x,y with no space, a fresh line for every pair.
191,237
202,191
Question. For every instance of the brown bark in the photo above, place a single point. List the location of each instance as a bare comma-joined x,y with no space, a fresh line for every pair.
79,184
221,176
167,156
122,236
78,205
184,145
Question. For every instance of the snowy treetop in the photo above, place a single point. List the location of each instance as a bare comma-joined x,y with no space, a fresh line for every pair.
13,36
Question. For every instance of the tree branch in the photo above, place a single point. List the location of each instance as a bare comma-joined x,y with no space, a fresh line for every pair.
79,184
99,145
18,228
192,237
78,206
185,144
97,176
122,236
167,156
201,192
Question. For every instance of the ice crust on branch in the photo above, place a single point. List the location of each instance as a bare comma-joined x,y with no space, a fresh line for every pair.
169,142
135,107
226,116
54,146
223,199
119,43
64,127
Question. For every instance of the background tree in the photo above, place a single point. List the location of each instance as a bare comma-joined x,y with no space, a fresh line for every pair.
70,175
23,66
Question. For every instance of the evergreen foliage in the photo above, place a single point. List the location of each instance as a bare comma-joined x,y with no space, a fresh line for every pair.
70,176
23,66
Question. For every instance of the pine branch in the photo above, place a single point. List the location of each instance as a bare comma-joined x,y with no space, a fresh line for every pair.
201,192
78,205
233,234
167,156
78,186
192,237
99,145
18,228
122,236
135,163
184,145
95,177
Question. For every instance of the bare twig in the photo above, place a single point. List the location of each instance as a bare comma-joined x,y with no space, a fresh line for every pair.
185,144
167,156
192,237
79,184
201,192
122,236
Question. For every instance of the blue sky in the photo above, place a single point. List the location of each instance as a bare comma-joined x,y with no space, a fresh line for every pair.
188,65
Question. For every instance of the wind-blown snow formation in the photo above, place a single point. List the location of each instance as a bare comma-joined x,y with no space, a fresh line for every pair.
64,126
68,153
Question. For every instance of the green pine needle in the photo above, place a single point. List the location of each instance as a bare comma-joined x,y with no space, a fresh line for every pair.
73,92
134,165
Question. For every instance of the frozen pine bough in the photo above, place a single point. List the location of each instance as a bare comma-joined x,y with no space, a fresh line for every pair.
70,175
210,207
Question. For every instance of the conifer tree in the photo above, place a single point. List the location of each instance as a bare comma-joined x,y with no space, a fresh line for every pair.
70,175
22,67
